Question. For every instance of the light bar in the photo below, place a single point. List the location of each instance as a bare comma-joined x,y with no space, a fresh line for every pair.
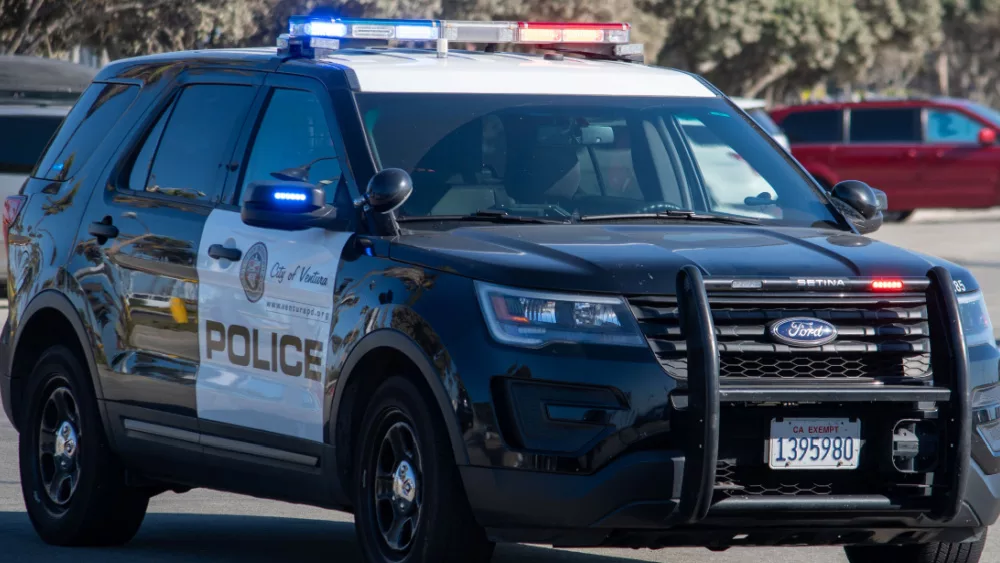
307,33
549,32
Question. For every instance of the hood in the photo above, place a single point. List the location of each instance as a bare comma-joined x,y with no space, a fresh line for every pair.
645,259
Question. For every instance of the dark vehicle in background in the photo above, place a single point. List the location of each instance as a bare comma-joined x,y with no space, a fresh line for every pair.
35,96
923,153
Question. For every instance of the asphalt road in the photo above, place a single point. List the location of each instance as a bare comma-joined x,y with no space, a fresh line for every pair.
210,527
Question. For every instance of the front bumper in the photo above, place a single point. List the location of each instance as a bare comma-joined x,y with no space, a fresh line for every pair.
668,493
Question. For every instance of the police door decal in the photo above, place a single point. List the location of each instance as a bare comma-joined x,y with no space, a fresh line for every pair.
264,325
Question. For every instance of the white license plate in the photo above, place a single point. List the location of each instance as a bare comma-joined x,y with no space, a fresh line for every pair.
814,443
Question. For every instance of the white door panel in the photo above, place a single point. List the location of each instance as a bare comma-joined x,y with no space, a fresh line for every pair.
264,325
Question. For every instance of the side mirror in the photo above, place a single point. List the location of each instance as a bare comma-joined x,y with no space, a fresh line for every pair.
286,205
987,136
862,204
386,191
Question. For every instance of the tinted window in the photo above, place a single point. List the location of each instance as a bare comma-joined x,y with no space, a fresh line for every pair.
294,133
885,125
562,157
89,122
190,156
822,126
764,120
23,140
949,126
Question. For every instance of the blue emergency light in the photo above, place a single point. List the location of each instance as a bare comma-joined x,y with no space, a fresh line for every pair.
308,33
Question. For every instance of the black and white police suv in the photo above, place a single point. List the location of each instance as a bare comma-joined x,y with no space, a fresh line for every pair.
479,295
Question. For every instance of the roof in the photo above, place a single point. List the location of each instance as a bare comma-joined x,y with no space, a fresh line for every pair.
59,111
475,72
19,73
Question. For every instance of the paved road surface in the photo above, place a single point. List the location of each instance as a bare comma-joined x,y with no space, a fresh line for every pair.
209,527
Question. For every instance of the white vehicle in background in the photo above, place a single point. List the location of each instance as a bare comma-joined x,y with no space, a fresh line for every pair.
757,110
35,95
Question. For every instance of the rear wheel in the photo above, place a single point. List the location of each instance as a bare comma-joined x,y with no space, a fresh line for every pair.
409,503
72,483
923,553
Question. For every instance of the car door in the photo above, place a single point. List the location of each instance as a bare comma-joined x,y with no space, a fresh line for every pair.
884,150
958,171
266,295
146,230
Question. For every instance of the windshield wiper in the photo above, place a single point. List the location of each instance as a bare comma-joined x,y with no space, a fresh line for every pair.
488,215
675,214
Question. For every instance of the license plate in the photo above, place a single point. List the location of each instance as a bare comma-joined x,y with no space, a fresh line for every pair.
814,443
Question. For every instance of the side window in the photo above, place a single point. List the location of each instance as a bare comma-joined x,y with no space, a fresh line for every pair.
294,137
949,126
885,125
185,151
821,126
91,119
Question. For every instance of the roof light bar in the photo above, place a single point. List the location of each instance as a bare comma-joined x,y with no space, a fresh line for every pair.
306,33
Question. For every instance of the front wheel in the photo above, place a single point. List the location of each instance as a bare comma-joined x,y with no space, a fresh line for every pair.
410,506
937,552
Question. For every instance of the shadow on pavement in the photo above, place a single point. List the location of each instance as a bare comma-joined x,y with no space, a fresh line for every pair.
230,539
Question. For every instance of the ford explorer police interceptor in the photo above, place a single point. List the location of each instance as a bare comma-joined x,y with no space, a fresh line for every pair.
476,296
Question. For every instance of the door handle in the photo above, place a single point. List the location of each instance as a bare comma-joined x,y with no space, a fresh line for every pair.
103,230
220,252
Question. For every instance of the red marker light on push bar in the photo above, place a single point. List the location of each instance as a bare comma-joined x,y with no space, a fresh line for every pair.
887,285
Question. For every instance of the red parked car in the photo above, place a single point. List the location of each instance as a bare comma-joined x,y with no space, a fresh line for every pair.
923,153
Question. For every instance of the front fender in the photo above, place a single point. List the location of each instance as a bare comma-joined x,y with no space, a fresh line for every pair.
449,396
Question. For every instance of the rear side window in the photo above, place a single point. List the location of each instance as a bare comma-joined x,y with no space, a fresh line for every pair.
899,125
23,140
185,153
821,126
87,124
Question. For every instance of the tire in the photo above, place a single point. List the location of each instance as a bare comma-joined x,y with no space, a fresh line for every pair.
922,553
896,216
424,497
89,504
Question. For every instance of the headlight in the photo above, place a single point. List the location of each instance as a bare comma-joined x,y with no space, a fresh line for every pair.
533,319
975,319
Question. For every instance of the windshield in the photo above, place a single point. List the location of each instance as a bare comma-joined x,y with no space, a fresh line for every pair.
572,156
988,113
764,120
23,141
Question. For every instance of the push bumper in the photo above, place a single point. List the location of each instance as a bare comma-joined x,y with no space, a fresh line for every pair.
670,498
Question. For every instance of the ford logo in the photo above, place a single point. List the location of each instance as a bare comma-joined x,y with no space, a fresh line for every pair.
803,331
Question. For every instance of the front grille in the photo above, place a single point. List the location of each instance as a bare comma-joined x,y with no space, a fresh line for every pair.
732,480
880,338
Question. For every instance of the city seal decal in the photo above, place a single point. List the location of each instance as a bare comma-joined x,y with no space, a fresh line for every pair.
252,271
803,332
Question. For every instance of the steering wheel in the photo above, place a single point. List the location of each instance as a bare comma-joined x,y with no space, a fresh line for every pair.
657,207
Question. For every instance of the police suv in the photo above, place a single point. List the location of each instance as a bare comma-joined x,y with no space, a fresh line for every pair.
479,295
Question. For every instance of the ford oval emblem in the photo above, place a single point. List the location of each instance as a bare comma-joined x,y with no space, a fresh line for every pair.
803,331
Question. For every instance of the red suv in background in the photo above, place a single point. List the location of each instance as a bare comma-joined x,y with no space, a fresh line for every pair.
926,153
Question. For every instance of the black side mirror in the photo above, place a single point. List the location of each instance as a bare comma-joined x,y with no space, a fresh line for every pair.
386,191
861,204
287,205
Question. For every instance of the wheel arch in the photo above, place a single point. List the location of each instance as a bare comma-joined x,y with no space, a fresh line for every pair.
52,314
380,348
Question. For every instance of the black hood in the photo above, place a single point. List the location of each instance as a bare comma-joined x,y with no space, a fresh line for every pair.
645,259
